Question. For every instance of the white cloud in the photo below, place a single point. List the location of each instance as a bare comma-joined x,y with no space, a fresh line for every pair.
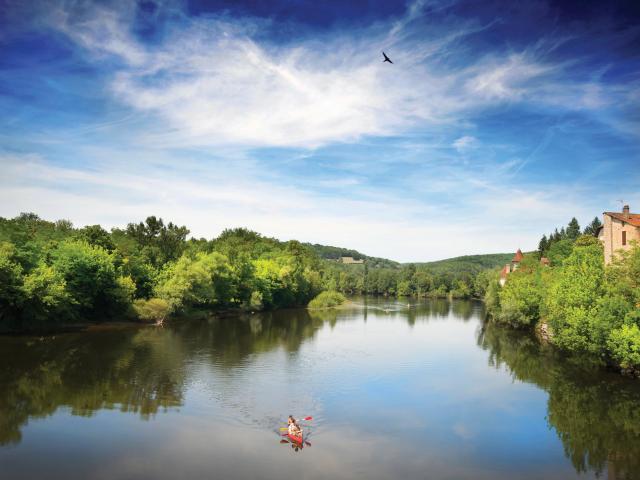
498,218
213,81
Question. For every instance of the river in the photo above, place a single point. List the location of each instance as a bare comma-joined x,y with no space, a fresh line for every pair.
396,389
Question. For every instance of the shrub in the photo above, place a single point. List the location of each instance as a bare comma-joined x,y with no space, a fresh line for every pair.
521,296
255,302
624,345
327,299
571,304
152,310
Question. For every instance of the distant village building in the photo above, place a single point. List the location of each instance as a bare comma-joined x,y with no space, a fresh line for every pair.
511,267
351,260
515,264
618,231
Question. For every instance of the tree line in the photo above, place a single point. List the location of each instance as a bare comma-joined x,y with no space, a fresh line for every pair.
407,280
581,304
53,274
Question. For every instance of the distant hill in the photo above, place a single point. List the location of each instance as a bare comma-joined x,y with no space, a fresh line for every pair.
469,263
334,253
466,263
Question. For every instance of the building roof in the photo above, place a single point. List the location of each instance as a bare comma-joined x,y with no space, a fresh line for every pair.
630,218
518,256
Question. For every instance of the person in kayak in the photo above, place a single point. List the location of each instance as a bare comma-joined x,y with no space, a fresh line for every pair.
294,428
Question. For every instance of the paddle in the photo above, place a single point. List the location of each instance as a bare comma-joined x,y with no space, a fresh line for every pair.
305,418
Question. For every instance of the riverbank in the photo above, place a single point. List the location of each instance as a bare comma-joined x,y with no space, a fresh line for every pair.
580,305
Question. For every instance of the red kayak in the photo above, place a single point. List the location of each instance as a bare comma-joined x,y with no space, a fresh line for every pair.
294,438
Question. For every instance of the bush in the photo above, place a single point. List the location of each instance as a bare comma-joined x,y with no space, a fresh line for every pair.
255,302
572,301
521,296
152,310
327,299
624,345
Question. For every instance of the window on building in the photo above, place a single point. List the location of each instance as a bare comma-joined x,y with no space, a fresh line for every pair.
624,238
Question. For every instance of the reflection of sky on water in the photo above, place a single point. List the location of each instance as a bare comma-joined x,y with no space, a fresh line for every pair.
389,399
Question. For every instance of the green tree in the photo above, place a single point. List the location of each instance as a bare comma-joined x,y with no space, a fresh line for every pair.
11,281
571,304
203,281
91,279
97,236
573,229
543,246
593,227
521,296
47,300
161,243
559,251
422,282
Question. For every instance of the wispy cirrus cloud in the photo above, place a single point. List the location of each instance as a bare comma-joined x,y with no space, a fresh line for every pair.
221,80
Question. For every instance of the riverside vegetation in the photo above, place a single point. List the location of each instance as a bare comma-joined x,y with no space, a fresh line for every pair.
582,305
52,274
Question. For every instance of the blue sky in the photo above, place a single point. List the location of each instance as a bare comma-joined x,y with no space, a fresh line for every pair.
497,122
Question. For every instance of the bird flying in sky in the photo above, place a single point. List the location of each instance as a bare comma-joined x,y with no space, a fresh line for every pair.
386,59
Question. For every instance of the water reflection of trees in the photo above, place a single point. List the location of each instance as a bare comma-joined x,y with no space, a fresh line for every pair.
130,370
135,370
145,370
421,310
227,342
596,414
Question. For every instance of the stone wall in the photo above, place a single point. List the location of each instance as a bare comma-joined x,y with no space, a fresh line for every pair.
612,236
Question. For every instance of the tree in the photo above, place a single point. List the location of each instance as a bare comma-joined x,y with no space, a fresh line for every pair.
97,236
91,279
563,234
422,282
521,296
543,245
11,281
571,303
205,280
593,227
161,243
559,251
573,229
46,297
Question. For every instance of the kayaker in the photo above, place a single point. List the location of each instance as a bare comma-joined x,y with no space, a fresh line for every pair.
294,428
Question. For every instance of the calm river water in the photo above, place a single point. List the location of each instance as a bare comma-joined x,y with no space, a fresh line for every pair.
397,389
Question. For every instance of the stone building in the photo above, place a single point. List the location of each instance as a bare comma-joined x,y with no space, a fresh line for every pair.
618,231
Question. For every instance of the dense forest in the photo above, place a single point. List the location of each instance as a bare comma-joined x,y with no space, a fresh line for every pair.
577,302
408,280
53,274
